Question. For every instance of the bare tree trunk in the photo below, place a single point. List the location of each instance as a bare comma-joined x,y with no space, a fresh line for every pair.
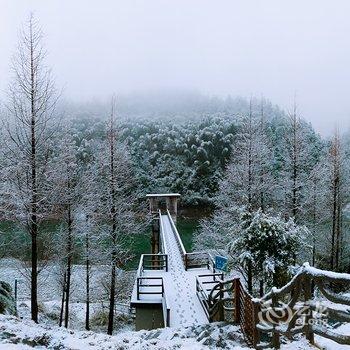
250,277
338,232
62,300
295,173
261,287
334,154
69,265
111,301
114,220
295,166
334,216
34,276
250,161
87,313
262,189
34,219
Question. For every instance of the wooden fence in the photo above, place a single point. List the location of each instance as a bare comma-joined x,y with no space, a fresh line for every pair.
228,301
292,309
283,312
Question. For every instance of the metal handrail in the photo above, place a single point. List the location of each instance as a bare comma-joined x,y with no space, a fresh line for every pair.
161,259
166,311
161,229
140,267
178,240
138,285
209,259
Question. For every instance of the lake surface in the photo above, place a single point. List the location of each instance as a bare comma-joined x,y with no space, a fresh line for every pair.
139,244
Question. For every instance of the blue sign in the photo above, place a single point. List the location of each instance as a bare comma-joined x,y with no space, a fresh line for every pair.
221,263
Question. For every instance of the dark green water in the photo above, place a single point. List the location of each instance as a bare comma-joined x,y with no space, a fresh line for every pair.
140,244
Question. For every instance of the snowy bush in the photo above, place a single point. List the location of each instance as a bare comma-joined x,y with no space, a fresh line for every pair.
268,244
7,302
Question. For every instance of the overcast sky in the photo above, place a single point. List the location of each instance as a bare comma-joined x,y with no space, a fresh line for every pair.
221,47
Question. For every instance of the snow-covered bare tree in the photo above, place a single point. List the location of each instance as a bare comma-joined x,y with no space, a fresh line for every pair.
296,165
249,179
64,176
248,183
337,196
32,99
316,210
88,229
117,198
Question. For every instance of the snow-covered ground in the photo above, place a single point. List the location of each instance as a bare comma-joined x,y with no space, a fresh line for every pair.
19,335
50,294
331,345
50,275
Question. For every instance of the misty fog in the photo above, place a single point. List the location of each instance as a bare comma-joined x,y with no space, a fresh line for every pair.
238,48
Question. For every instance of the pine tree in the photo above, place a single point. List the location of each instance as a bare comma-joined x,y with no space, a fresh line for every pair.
267,243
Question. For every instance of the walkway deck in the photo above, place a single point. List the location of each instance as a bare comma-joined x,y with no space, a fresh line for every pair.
180,288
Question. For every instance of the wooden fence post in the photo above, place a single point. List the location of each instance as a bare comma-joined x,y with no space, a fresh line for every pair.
308,312
236,299
222,312
275,335
256,335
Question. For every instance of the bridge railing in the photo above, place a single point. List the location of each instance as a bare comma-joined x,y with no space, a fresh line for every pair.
162,238
204,285
149,286
166,312
177,237
199,259
193,259
282,312
152,262
228,301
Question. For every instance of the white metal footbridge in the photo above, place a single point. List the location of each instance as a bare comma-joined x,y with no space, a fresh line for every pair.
172,286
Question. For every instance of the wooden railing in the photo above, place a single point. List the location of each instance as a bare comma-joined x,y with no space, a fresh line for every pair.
245,313
205,284
151,284
291,310
283,312
218,297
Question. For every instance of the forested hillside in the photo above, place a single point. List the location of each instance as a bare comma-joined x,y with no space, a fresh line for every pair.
182,146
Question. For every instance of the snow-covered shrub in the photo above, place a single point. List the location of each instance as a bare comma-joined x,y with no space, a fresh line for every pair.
7,302
269,244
